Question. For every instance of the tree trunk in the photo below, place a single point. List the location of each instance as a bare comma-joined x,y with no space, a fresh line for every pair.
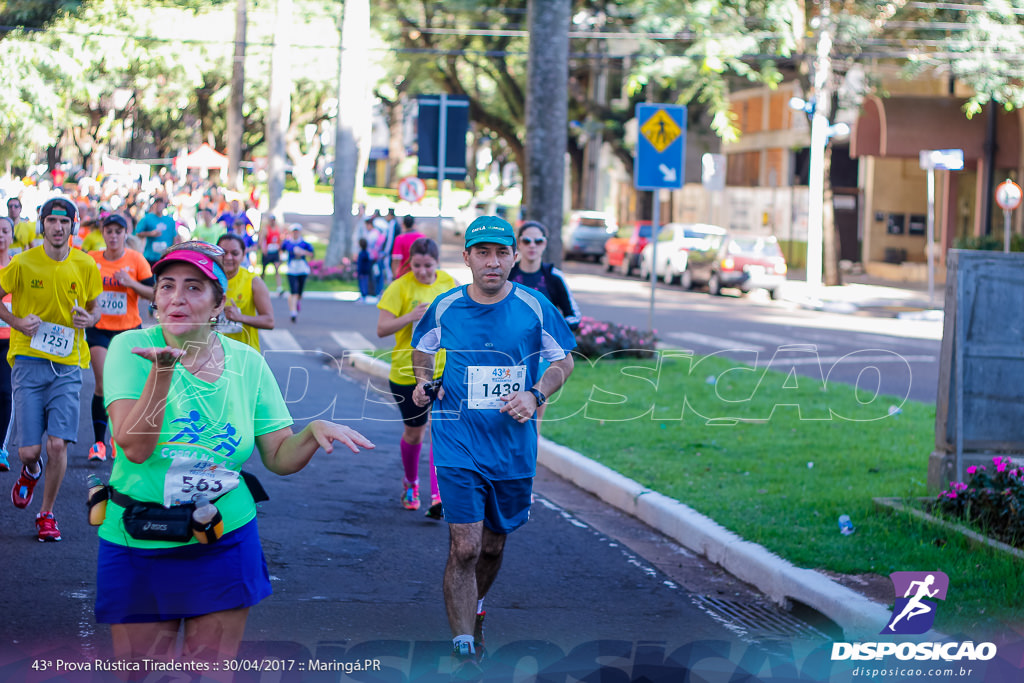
353,91
303,165
235,123
829,237
547,115
279,111
396,133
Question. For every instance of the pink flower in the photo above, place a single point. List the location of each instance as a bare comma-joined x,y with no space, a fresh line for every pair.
1001,466
972,469
599,340
950,494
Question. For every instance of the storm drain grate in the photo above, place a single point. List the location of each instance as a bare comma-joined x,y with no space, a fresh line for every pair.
758,621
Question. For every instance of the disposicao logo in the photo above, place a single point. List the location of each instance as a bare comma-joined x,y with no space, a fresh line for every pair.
913,613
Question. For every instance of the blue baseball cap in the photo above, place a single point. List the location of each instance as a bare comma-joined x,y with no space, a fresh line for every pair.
490,229
114,219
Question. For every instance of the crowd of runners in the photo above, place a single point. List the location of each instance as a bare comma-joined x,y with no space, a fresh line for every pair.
73,280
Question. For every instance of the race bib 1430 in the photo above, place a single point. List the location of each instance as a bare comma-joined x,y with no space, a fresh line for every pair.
487,383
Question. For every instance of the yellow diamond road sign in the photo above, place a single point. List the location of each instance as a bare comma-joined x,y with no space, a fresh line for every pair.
660,130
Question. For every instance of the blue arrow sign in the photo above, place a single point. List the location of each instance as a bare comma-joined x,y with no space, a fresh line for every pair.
660,147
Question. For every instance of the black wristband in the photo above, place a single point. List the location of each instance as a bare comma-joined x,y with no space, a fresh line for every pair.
541,398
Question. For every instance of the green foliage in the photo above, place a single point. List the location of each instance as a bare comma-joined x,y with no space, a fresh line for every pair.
32,14
37,91
720,46
172,59
992,500
988,243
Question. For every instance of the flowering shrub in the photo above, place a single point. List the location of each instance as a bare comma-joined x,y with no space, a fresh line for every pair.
595,339
993,500
345,271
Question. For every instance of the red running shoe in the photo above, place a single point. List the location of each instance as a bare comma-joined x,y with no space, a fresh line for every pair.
46,527
21,494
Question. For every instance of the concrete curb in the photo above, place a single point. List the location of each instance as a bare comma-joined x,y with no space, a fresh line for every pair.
780,580
368,364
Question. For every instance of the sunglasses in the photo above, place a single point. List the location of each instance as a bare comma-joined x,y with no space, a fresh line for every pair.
197,245
536,240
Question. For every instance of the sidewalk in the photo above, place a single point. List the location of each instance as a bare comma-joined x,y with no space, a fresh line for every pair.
777,578
864,294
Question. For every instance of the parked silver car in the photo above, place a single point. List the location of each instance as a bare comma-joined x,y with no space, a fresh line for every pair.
585,233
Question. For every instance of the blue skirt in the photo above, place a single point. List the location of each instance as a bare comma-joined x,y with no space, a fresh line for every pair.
136,585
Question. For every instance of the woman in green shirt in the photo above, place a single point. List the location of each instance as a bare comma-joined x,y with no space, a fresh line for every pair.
187,406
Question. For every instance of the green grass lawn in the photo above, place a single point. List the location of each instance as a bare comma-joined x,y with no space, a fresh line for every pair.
777,459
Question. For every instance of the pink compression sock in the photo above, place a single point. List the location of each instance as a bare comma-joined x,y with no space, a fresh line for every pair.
410,461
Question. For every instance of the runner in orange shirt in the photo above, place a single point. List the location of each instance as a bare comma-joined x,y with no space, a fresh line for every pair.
126,277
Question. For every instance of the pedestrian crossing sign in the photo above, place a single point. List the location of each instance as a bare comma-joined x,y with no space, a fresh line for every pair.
661,130
660,146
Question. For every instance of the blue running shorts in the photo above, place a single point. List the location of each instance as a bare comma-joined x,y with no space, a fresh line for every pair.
468,497
136,585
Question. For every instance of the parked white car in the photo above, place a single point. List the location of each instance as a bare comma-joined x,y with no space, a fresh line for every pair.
679,245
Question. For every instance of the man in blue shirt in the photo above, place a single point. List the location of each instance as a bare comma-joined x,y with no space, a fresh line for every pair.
159,230
494,333
235,219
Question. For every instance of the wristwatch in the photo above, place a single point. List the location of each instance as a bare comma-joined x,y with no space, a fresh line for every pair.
541,398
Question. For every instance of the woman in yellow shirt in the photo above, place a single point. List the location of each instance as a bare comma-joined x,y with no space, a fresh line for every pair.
247,308
402,304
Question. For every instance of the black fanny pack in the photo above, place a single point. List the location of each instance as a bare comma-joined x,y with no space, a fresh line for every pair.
154,522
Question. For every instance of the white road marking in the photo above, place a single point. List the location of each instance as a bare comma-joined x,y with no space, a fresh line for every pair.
777,340
352,341
279,340
714,342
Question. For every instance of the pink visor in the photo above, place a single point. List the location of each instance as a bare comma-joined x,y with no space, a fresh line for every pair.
204,263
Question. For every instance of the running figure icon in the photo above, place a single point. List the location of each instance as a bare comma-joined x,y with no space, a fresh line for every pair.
915,606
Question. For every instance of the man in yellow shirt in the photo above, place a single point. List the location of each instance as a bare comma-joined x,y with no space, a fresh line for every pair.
24,231
54,290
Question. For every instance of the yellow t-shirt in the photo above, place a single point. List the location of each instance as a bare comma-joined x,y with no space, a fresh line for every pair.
240,293
401,297
50,289
24,235
93,241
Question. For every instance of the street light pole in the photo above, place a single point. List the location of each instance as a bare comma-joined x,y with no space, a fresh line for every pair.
819,140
